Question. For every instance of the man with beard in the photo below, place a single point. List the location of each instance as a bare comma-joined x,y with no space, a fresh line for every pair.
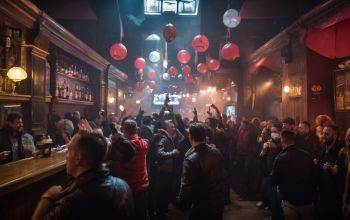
329,176
11,148
312,144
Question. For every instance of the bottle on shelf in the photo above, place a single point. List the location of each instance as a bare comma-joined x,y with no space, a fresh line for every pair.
58,68
70,94
86,98
66,69
64,88
70,70
57,90
75,71
90,96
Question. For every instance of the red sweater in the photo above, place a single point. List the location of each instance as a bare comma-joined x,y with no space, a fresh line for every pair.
134,172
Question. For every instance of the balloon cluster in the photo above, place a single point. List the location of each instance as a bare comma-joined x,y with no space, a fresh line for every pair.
200,44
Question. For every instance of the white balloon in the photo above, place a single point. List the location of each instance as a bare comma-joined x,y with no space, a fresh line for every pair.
166,76
154,56
180,76
231,18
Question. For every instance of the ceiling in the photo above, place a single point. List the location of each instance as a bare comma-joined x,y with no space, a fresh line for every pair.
97,23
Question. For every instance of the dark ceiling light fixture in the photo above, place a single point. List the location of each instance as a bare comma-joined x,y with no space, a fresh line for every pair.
178,7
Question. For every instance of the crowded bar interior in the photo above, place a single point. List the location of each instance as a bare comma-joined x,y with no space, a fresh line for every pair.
175,109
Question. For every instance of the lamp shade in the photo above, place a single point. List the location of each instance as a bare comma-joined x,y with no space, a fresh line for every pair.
17,74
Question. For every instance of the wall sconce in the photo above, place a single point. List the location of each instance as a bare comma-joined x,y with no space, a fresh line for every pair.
228,99
121,107
286,89
16,74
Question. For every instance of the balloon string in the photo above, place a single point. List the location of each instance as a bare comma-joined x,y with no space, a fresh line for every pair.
228,34
195,58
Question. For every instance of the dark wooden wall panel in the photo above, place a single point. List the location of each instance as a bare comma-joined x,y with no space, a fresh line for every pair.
319,72
39,70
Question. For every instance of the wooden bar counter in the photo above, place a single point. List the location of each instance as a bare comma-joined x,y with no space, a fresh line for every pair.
22,183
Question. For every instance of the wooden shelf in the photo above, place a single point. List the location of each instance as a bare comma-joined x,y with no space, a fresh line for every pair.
14,96
72,77
73,102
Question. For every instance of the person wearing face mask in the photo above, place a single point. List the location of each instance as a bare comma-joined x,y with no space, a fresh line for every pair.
329,176
269,151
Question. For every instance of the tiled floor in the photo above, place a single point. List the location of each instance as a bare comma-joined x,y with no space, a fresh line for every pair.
237,210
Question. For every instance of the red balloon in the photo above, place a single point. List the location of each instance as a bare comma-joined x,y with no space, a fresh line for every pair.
202,68
186,69
140,63
230,51
200,43
169,32
213,65
139,86
189,79
172,71
151,74
118,51
183,56
152,84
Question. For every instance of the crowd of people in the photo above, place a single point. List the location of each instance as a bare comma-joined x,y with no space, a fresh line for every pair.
134,167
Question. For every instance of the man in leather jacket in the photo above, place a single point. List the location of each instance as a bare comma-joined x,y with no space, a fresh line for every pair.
165,154
202,182
93,193
11,148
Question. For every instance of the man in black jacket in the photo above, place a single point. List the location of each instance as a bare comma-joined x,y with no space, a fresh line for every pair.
93,193
294,174
11,148
202,181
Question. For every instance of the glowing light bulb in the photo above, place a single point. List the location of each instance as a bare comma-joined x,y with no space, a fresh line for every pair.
286,89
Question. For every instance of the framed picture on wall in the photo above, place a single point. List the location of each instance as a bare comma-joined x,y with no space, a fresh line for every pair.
342,90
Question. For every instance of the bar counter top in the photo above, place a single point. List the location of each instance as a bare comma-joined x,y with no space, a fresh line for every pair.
18,174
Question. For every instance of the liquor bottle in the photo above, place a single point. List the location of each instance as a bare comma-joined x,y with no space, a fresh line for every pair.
76,92
75,71
90,96
86,98
57,90
66,69
58,68
70,70
64,88
70,94
82,90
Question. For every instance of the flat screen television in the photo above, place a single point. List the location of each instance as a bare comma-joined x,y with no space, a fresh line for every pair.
158,99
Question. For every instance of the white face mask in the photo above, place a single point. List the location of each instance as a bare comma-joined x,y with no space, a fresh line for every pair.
275,136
